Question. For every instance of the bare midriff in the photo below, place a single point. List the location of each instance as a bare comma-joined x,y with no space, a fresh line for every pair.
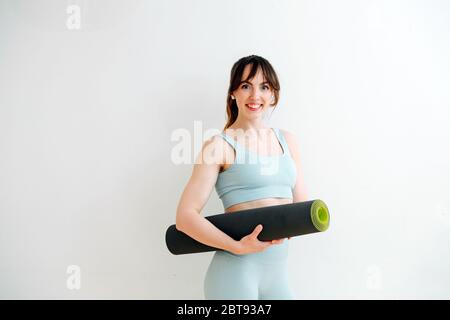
259,203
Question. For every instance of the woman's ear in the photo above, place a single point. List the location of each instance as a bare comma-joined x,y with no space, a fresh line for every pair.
272,101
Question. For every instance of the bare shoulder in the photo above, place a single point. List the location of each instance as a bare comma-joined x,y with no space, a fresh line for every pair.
289,136
213,151
292,142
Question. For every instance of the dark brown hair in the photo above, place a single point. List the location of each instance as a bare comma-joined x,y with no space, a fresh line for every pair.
237,71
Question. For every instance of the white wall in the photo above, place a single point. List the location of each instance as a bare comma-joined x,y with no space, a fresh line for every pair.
86,118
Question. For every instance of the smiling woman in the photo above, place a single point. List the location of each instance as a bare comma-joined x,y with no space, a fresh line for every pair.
248,268
254,86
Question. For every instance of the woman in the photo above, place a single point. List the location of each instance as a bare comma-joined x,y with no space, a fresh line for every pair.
245,178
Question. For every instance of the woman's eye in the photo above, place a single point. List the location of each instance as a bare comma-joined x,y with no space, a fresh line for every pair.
245,86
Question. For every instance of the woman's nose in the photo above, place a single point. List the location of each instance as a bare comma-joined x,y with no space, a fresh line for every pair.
255,92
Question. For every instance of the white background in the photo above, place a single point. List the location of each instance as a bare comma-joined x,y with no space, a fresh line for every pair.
87,114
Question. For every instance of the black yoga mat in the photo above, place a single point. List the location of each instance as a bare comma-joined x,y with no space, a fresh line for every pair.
279,221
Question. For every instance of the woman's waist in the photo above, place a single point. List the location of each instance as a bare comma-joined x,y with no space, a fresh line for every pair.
258,203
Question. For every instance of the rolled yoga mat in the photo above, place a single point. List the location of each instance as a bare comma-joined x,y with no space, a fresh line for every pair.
279,221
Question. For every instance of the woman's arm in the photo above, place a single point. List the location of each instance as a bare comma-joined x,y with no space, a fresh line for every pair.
299,191
195,195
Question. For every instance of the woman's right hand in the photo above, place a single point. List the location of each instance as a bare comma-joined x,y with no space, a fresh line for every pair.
251,244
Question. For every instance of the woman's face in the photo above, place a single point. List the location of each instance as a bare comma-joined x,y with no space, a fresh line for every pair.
255,96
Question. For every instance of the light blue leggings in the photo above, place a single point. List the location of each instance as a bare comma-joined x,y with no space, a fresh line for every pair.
262,275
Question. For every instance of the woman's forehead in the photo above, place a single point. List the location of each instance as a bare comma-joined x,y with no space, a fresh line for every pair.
257,78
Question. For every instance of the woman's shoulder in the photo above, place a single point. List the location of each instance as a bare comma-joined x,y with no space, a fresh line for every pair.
290,138
287,134
219,144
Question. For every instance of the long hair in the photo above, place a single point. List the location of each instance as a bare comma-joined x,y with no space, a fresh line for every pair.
237,71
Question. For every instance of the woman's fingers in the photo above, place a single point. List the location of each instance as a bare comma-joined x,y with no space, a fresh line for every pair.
275,241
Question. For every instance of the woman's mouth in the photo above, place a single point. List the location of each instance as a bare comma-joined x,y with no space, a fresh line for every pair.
254,106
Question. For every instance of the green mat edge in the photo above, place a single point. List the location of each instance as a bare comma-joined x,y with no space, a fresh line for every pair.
320,215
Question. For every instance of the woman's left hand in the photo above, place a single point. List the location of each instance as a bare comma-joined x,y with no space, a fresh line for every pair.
277,241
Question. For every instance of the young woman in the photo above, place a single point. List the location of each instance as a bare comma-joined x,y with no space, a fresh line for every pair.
245,178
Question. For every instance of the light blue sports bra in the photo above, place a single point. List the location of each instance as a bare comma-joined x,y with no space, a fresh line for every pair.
252,176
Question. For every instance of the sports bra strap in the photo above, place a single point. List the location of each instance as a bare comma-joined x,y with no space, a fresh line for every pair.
277,131
229,140
282,141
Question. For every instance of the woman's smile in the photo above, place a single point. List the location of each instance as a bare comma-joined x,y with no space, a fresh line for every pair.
254,106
